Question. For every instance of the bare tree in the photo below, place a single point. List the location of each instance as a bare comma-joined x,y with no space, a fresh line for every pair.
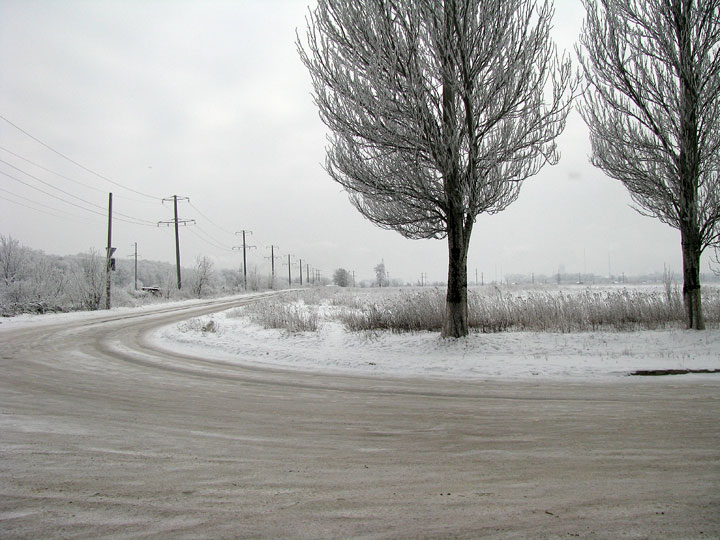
202,276
438,111
90,280
653,107
46,282
12,261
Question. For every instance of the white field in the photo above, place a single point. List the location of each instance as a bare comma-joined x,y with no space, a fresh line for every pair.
509,355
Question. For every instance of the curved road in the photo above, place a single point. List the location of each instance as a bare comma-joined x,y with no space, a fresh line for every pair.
102,435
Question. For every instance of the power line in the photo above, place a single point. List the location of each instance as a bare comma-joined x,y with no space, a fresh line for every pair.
207,240
70,202
39,204
75,162
70,217
142,221
83,184
210,220
212,240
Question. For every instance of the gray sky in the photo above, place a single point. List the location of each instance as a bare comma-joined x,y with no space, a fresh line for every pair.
209,100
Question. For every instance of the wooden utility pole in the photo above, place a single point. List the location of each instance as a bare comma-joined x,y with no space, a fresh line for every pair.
272,263
301,272
245,247
109,254
289,271
136,288
177,222
177,244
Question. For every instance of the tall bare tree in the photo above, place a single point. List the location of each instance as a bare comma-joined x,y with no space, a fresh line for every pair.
653,108
202,276
439,109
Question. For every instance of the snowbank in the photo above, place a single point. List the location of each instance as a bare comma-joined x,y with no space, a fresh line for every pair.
504,355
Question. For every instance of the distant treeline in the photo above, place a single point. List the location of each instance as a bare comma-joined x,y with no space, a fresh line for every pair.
32,281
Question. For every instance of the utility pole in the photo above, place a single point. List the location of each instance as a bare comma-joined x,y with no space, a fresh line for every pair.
109,267
136,266
301,272
307,273
289,271
177,223
272,263
353,273
245,247
136,258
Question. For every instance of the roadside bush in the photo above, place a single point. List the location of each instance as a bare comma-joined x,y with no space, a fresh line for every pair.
278,314
201,325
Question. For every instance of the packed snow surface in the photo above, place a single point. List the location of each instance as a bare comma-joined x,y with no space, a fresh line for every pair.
598,355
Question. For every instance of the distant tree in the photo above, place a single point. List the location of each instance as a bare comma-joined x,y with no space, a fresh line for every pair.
342,277
439,110
232,279
202,275
89,274
46,282
380,276
12,259
653,108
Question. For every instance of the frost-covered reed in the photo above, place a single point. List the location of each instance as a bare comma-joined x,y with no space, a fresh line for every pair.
490,309
493,310
279,313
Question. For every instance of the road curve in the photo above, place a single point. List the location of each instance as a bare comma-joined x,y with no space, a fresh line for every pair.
105,435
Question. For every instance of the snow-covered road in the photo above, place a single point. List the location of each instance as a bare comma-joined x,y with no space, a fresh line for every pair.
106,434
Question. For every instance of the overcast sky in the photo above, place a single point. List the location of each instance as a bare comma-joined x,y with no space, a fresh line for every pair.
208,100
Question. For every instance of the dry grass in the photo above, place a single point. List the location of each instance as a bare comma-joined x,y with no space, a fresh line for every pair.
283,313
490,309
202,325
495,311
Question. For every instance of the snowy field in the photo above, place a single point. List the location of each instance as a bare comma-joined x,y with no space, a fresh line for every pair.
232,337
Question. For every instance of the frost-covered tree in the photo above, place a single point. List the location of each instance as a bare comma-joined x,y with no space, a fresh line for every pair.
380,275
202,275
341,277
12,259
653,108
89,274
439,109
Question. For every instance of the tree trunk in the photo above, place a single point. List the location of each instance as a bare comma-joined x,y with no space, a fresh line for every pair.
689,167
692,298
455,324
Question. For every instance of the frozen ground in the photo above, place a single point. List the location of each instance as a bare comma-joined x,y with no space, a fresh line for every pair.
103,436
598,355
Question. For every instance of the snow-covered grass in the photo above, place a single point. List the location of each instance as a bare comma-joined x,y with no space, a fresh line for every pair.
490,309
240,337
281,313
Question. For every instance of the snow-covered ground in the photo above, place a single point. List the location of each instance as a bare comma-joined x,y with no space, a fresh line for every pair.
596,355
